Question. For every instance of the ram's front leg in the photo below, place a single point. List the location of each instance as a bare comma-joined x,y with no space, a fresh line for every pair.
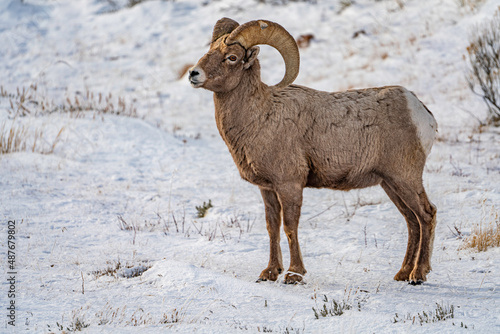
273,222
291,201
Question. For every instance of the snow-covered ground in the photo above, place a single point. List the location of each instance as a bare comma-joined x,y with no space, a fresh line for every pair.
105,197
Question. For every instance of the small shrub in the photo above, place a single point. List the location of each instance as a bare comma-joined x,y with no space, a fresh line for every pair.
203,209
484,61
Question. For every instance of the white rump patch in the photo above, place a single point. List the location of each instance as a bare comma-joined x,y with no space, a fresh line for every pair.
424,121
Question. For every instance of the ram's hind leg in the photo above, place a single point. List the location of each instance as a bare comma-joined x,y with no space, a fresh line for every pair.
428,227
413,234
420,214
273,222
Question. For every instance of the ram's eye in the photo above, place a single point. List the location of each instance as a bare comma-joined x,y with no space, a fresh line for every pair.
232,58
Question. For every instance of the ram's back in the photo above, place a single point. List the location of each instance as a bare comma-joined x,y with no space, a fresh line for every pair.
350,139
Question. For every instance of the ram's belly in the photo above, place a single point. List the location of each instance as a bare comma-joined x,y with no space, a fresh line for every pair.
346,179
256,179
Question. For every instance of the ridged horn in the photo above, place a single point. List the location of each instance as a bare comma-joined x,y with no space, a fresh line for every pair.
223,27
270,33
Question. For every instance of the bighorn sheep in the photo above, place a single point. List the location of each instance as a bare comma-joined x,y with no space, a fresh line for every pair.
286,137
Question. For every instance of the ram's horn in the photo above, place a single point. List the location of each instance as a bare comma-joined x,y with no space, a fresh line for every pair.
223,27
270,33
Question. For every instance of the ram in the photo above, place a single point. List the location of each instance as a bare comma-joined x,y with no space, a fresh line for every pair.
286,137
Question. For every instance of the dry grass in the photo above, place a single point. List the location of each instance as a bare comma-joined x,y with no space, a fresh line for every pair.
102,104
12,139
470,5
28,101
441,313
19,138
486,234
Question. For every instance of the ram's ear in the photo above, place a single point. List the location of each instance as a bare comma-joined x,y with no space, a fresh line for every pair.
223,27
251,56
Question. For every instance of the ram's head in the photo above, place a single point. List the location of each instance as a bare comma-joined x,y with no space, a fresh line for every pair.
234,50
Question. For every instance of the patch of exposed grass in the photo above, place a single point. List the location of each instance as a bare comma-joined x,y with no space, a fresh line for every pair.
485,234
117,269
110,270
331,308
440,313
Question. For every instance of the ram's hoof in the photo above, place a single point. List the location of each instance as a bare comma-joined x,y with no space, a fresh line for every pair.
293,278
417,282
270,274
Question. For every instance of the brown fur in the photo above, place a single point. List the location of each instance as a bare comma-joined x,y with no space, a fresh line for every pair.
286,139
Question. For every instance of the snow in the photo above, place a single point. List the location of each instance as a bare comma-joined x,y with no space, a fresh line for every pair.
107,234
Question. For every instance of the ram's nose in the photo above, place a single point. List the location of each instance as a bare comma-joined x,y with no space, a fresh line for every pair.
196,76
193,73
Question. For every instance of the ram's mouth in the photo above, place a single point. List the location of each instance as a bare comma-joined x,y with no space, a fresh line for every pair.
195,83
196,76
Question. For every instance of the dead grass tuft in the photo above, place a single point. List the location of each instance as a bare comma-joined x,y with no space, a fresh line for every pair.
28,101
16,137
486,234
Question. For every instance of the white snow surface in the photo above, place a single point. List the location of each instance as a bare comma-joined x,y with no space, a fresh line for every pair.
107,234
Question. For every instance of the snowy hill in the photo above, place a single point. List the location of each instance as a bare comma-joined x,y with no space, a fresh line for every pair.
116,151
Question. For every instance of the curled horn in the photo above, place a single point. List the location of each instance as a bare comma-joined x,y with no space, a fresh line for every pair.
223,27
270,33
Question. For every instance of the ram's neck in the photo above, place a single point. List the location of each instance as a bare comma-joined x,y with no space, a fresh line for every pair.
242,107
